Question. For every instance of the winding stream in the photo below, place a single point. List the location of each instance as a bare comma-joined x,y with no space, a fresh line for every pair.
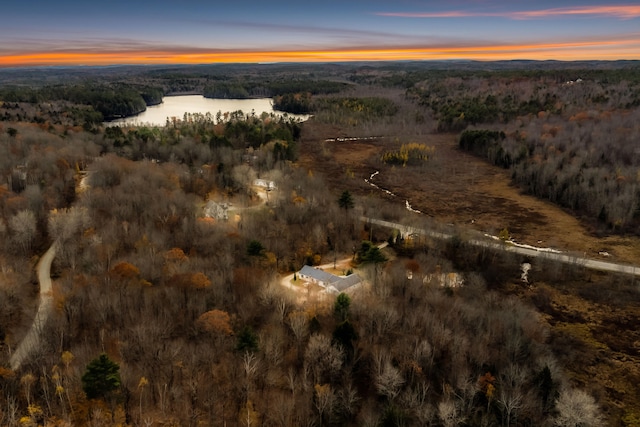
411,209
406,202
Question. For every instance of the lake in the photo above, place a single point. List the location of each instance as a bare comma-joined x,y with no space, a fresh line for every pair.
176,106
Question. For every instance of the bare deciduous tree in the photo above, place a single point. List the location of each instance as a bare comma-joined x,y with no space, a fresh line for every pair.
23,226
448,413
389,381
349,398
511,401
576,408
298,322
324,401
322,359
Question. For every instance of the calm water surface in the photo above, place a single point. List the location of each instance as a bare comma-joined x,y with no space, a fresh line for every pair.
176,106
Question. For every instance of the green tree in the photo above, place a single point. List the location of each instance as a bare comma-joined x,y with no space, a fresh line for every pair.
345,334
375,255
547,388
370,253
346,201
12,132
247,341
101,377
341,307
255,248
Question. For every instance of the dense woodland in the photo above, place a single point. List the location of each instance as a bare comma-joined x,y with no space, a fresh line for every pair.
110,102
164,317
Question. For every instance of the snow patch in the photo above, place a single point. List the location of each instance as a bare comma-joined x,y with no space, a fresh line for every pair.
409,208
407,204
525,266
522,245
535,248
347,139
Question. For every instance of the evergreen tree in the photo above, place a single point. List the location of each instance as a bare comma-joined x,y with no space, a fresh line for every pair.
341,307
255,248
247,341
346,200
101,377
547,388
345,334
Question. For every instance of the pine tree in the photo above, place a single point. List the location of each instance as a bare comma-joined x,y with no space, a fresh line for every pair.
247,341
101,377
346,200
341,307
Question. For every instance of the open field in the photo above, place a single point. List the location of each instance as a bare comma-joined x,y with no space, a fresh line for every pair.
457,187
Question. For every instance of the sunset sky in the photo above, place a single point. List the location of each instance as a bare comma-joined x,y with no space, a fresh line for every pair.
48,32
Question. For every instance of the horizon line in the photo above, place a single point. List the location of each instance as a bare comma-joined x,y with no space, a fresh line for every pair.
616,49
292,62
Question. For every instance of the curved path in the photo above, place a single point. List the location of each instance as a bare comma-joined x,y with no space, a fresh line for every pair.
32,340
530,251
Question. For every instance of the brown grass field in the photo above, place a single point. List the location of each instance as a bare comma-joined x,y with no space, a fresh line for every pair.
457,187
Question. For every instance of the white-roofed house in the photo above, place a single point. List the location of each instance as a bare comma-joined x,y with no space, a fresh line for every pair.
330,282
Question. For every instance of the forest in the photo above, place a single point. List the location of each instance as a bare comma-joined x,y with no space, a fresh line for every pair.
164,315
109,101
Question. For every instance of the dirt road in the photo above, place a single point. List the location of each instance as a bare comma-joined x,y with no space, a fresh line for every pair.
32,340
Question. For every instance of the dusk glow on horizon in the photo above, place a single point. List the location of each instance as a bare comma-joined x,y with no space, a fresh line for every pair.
65,33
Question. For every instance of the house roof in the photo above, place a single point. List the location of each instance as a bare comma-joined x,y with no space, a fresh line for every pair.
330,280
318,274
347,282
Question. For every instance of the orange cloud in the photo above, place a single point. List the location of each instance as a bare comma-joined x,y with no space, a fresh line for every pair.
625,11
578,50
618,11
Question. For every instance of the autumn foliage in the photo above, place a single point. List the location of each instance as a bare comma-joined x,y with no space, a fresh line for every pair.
409,154
215,321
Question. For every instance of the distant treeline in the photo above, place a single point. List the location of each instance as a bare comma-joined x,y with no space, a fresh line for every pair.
461,97
289,96
410,78
336,109
250,88
111,101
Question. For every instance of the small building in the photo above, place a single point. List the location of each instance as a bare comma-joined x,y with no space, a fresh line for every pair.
330,282
269,185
